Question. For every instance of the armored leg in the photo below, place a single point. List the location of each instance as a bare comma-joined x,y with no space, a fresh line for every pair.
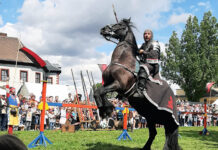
142,77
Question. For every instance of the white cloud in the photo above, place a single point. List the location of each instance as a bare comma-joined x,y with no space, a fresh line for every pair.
1,20
176,19
67,32
205,4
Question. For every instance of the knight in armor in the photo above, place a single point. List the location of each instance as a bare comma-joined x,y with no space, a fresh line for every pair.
149,55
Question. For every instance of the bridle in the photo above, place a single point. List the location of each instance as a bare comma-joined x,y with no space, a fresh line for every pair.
114,33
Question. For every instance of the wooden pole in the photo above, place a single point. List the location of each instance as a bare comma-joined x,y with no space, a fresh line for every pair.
87,96
80,113
125,134
44,86
115,14
94,85
41,139
205,115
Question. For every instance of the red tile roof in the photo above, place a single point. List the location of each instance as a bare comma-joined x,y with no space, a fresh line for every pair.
9,47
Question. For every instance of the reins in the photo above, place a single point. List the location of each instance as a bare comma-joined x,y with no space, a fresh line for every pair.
108,39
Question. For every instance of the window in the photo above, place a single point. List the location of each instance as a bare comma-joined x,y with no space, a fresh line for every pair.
49,80
38,77
24,76
4,74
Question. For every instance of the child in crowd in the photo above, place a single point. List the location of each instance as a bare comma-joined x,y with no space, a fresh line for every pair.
28,119
52,119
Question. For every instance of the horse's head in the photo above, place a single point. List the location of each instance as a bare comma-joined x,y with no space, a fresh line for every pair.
117,31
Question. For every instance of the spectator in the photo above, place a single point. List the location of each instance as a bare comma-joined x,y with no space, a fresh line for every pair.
143,122
33,111
28,118
190,119
119,115
52,119
70,100
3,113
56,99
195,120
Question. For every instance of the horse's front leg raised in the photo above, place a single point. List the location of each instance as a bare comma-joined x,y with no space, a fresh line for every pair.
152,134
105,107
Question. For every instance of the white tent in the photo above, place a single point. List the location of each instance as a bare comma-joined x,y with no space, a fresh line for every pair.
2,91
51,90
216,102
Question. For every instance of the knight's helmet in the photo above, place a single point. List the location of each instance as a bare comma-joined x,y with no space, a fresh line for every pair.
152,35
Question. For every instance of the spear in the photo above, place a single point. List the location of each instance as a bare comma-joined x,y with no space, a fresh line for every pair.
86,93
115,14
89,79
83,85
77,97
94,86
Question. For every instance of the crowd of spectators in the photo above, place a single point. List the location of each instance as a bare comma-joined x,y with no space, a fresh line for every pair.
29,113
192,114
189,114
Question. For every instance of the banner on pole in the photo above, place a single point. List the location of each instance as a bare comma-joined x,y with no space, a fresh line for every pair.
102,68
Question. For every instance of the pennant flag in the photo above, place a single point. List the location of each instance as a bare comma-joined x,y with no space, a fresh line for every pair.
208,86
102,68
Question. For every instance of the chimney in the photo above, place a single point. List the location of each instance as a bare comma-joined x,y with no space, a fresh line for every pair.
3,34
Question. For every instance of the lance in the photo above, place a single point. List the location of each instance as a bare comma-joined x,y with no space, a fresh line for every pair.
77,97
89,79
115,14
94,86
83,85
86,93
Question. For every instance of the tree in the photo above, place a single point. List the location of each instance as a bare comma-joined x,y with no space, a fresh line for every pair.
192,61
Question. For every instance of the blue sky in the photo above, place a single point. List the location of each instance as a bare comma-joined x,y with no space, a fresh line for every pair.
67,31
10,10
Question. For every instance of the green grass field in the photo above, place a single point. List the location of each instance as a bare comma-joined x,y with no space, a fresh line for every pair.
107,140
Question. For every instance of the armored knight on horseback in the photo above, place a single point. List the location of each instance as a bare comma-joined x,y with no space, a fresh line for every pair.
149,55
156,100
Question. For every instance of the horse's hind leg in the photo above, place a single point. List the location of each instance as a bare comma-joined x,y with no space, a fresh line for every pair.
152,134
171,142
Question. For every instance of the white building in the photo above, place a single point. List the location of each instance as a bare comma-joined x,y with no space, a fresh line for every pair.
20,64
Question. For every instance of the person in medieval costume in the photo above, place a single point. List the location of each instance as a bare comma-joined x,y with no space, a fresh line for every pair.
13,119
149,55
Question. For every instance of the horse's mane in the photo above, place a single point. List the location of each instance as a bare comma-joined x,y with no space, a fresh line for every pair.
130,26
129,23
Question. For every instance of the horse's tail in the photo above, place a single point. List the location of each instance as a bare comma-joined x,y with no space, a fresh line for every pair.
172,141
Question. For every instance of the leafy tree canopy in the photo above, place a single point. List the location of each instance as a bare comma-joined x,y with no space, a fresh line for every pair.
192,61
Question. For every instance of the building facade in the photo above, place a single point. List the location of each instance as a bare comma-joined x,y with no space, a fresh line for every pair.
19,64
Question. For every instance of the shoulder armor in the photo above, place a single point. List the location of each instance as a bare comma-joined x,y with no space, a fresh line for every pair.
156,45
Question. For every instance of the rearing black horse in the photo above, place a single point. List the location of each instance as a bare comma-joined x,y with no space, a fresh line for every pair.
158,103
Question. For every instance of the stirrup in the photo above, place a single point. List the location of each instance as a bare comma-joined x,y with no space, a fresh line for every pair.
138,94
